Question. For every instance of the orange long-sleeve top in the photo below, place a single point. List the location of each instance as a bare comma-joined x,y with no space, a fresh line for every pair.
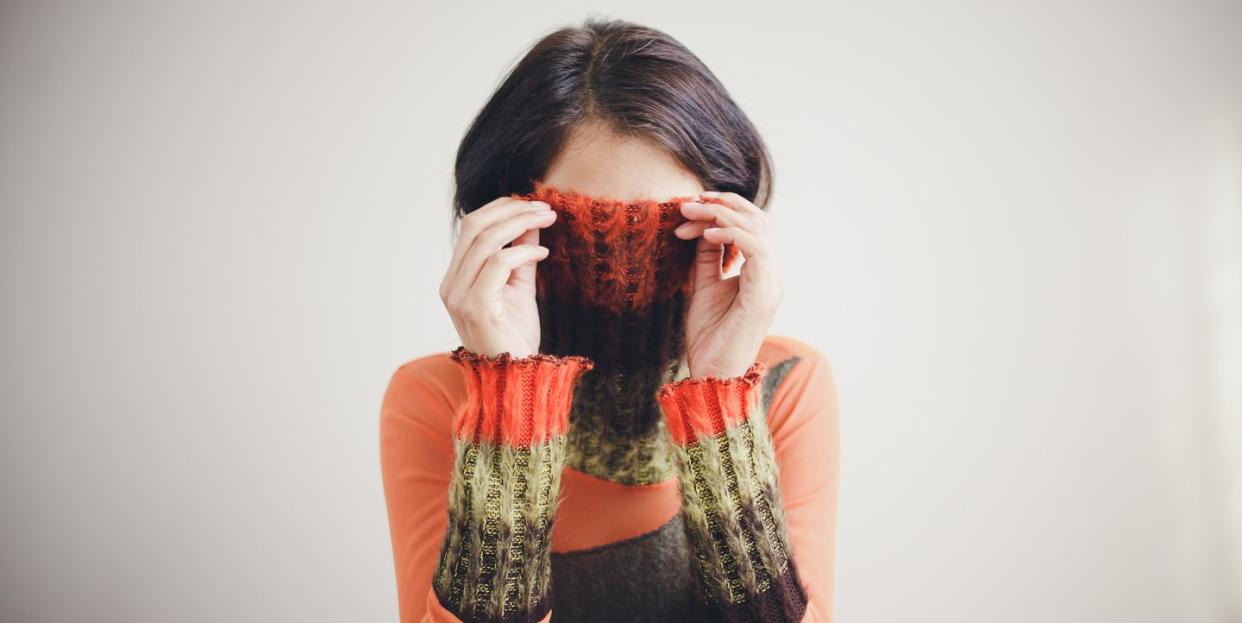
600,525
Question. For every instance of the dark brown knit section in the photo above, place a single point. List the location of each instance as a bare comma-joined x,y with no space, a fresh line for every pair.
617,432
638,580
783,602
642,339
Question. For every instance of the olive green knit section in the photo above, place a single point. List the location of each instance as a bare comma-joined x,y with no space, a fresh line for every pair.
731,503
494,563
617,431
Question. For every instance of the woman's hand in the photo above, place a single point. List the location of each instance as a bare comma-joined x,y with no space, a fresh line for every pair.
489,288
728,319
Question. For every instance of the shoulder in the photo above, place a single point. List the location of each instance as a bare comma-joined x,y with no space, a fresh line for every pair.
777,348
435,370
423,392
799,387
788,357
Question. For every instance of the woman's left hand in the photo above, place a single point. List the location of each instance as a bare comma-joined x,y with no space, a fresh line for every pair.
728,319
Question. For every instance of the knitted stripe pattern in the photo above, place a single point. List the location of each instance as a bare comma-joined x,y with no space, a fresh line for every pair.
509,442
615,256
614,288
616,280
612,297
731,497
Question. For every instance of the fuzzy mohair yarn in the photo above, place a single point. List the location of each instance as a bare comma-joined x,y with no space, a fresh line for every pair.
614,289
616,281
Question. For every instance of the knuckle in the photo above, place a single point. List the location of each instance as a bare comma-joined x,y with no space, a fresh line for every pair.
497,258
469,314
454,301
493,236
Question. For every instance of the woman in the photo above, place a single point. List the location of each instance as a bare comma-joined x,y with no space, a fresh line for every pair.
612,287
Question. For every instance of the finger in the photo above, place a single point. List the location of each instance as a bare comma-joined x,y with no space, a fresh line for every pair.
750,245
707,259
498,235
481,219
733,200
499,265
720,215
690,230
757,274
711,257
754,221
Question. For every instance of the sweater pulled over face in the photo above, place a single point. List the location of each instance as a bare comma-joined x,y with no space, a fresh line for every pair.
595,481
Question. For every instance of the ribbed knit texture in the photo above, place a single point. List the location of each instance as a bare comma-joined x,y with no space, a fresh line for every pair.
611,255
510,449
614,285
731,497
614,289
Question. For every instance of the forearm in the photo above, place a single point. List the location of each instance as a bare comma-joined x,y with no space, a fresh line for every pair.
510,436
731,497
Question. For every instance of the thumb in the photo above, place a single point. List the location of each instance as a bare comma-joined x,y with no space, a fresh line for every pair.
707,258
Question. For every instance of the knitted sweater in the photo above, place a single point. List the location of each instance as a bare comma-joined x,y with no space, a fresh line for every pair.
594,481
513,494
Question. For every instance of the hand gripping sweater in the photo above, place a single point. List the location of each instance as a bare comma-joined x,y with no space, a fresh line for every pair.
595,481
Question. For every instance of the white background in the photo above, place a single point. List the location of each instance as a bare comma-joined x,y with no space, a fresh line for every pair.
1014,228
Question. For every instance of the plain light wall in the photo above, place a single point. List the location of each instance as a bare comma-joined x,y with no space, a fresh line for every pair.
1012,227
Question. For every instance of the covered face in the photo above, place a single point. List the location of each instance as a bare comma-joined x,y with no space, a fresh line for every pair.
616,279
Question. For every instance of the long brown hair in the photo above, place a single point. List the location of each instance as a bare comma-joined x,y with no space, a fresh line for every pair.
638,80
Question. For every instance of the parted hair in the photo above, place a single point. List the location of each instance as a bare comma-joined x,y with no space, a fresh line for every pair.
639,82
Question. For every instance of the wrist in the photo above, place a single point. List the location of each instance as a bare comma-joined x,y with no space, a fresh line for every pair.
723,360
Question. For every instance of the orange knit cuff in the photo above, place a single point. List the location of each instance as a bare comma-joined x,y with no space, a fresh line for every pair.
516,401
707,406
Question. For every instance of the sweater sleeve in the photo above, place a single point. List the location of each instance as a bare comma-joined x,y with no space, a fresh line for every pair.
491,558
752,548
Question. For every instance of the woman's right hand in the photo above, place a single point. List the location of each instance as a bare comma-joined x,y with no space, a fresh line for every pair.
489,288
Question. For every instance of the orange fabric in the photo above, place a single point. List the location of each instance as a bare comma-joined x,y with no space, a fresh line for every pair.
595,512
416,449
708,405
535,413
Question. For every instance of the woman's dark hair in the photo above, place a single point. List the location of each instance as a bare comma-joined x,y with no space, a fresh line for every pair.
640,82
